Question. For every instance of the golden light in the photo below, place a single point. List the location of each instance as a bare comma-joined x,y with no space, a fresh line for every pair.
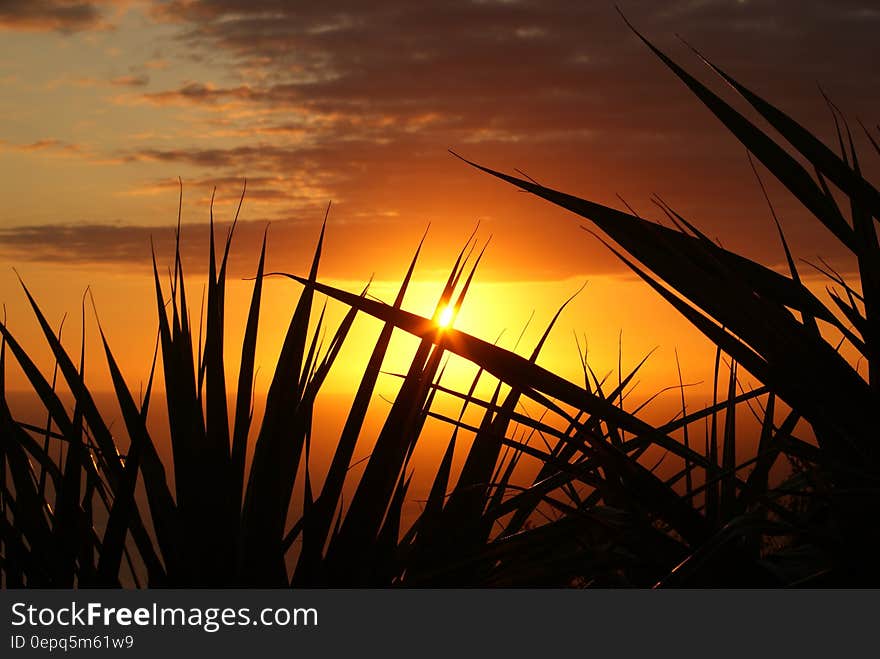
446,316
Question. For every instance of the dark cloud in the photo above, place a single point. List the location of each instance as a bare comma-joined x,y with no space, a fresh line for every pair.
282,192
43,15
193,92
50,146
290,247
141,80
478,56
512,78
357,102
130,245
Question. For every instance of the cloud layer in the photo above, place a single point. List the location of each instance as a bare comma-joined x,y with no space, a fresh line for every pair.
357,102
42,15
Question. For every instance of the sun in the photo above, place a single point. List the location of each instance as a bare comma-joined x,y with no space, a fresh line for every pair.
446,316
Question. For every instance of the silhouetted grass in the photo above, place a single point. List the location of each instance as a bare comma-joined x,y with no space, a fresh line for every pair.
598,510
777,329
593,514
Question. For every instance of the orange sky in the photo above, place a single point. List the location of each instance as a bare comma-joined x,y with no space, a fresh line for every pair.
105,103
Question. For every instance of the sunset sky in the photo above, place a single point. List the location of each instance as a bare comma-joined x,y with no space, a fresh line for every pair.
105,103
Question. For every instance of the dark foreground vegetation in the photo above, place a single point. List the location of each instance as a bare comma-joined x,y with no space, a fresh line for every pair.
598,512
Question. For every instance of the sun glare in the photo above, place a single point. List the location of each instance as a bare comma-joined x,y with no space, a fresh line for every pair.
445,318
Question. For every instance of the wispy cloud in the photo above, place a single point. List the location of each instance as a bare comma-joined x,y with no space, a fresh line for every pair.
46,15
282,193
140,80
53,147
290,245
133,80
121,243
